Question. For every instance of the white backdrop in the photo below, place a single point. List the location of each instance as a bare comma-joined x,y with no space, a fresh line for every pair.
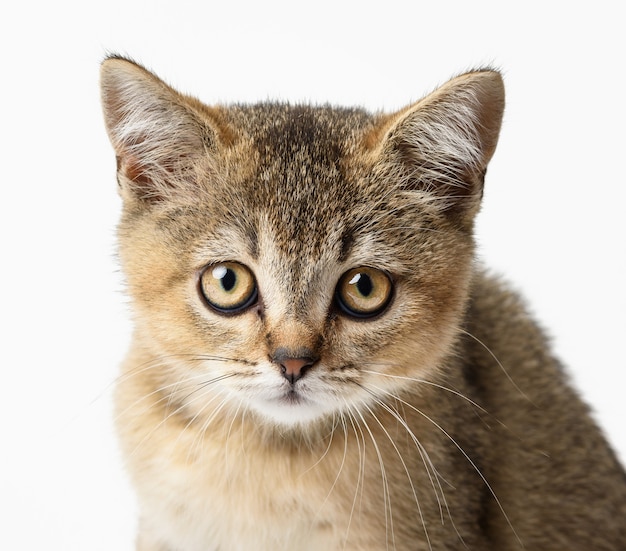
553,217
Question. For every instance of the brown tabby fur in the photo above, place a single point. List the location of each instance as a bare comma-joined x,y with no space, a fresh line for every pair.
442,423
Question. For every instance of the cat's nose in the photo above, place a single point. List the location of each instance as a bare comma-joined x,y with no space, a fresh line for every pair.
293,366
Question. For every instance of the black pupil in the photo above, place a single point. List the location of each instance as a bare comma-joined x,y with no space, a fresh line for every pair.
364,285
229,280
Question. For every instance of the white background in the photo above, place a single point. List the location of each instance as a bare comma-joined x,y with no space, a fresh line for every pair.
553,219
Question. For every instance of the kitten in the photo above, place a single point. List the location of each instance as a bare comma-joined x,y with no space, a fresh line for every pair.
318,363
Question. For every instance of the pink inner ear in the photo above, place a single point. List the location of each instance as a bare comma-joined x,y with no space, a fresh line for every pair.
156,180
141,182
135,171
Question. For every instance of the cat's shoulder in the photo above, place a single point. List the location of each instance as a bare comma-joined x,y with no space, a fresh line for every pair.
498,320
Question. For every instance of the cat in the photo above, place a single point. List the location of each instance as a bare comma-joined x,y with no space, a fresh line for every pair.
319,362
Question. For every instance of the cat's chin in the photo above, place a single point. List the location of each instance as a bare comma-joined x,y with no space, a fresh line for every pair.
291,410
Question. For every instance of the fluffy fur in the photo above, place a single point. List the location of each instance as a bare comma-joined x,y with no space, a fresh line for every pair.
442,422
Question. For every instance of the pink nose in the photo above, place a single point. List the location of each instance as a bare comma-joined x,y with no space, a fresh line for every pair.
293,366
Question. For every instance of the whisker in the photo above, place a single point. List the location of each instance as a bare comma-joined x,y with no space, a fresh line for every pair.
169,396
228,434
160,363
433,384
428,464
154,429
361,478
164,360
325,453
386,495
152,364
183,404
426,382
339,471
208,383
506,373
463,452
399,454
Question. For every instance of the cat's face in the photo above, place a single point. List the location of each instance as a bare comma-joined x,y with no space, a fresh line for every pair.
295,262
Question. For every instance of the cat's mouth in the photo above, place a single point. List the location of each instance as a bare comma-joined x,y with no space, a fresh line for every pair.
292,406
294,398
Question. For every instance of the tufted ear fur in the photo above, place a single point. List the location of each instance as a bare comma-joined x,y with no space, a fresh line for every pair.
161,138
442,144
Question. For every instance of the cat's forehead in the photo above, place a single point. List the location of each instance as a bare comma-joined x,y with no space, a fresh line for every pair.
301,170
324,131
298,187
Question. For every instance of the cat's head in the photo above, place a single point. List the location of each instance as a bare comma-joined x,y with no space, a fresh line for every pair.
296,261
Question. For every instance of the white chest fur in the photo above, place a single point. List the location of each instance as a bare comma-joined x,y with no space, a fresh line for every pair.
234,494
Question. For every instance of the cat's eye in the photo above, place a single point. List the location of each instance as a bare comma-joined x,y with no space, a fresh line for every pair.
364,292
228,287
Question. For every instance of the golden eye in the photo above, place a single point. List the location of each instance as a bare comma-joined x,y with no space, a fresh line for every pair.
364,292
228,287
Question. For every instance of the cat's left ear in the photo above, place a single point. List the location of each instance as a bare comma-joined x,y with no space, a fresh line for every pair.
442,144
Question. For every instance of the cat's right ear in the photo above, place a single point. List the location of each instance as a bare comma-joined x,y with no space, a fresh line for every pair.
160,137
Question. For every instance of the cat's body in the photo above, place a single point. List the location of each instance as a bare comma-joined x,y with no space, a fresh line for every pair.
318,364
